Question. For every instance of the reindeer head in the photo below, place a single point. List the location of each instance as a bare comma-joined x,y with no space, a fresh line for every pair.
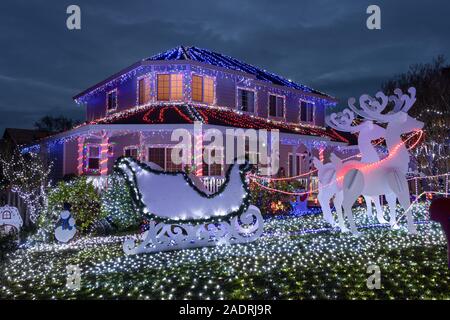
342,121
398,118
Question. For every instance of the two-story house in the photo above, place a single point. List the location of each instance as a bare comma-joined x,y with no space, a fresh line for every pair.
133,113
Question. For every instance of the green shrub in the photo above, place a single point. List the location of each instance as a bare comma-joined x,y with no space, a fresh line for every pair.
118,205
83,199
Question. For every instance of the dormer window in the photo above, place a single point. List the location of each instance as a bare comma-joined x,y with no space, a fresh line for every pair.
111,100
170,87
246,100
306,111
276,106
202,89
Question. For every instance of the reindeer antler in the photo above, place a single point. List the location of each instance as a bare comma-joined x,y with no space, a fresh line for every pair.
372,107
403,102
342,121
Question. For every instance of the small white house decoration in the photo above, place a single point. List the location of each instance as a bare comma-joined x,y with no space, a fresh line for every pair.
65,227
10,219
183,216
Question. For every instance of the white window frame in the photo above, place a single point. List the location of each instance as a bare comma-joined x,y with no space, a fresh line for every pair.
165,146
222,169
147,80
133,147
203,88
298,168
284,105
107,99
87,157
313,120
170,74
255,99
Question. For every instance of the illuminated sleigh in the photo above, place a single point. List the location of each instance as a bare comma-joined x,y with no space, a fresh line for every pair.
184,216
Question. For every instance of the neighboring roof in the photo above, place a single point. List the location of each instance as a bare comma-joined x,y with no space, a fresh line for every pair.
220,60
23,136
186,114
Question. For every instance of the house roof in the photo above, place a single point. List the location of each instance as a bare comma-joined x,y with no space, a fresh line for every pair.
187,114
191,53
23,136
220,60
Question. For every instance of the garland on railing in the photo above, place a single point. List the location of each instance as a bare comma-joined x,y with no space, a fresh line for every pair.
137,196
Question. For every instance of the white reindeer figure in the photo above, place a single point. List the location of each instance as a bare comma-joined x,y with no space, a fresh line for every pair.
327,173
387,176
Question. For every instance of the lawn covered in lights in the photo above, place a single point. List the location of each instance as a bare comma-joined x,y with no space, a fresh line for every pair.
296,258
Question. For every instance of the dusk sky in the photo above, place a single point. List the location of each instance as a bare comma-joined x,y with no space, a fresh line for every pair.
321,43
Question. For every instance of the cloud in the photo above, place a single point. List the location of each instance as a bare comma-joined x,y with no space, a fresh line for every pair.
321,43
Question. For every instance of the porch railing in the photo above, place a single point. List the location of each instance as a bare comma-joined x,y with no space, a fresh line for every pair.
212,184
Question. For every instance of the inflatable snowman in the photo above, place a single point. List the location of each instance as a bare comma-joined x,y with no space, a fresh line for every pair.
65,227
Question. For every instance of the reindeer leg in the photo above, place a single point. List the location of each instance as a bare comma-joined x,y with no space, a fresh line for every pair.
380,213
324,200
368,201
338,199
353,186
399,185
391,199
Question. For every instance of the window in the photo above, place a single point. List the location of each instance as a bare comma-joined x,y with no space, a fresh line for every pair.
162,156
143,91
214,169
294,171
202,89
246,100
170,87
176,87
250,155
306,111
276,106
163,87
131,152
197,88
208,90
298,164
110,150
93,158
111,100
157,156
291,164
170,165
6,214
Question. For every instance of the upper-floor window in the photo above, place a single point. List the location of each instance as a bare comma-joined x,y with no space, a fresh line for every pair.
170,87
306,111
202,89
276,106
111,100
246,100
143,91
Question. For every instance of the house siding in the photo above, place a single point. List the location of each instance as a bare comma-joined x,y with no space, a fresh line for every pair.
226,92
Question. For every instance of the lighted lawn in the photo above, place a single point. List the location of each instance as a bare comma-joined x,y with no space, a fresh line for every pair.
285,264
